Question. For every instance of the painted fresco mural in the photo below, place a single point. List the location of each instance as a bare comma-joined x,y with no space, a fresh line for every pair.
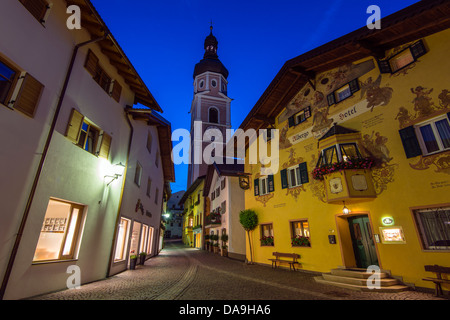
384,104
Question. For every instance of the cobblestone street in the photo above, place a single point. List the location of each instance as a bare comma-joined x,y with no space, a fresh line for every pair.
181,273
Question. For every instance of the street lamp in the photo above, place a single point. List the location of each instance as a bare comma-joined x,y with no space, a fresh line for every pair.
119,168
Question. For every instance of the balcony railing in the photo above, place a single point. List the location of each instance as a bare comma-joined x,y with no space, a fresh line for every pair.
213,219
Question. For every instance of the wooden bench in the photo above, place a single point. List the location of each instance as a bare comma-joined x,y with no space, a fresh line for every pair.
439,270
292,261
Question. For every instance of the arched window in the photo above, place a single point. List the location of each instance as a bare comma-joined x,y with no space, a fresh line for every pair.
213,115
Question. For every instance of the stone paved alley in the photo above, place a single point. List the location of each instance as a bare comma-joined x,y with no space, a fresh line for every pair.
181,273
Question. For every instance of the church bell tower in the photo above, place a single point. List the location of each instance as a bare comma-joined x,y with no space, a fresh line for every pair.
210,108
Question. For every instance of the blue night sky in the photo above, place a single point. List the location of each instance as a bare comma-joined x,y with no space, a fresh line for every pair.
164,41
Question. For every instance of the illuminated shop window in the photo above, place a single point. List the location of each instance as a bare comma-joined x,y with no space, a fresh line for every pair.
122,236
144,239
150,241
60,233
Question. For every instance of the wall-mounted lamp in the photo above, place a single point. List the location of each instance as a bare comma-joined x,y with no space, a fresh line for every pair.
118,172
345,210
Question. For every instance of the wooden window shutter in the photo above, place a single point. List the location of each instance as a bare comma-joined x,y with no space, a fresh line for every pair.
418,49
354,85
271,183
308,112
91,63
385,66
37,8
284,179
331,99
410,142
303,173
256,182
291,121
29,95
74,126
105,146
223,207
116,91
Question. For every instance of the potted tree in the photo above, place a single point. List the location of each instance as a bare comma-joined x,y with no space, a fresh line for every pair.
216,243
133,261
142,257
224,239
211,243
249,221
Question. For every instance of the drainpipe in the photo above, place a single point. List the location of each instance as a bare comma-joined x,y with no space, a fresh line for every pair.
41,165
111,257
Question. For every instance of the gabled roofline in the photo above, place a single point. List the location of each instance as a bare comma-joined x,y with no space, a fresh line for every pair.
94,24
396,29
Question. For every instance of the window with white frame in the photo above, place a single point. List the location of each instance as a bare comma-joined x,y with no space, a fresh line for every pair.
138,174
149,187
263,186
434,135
60,232
294,176
149,142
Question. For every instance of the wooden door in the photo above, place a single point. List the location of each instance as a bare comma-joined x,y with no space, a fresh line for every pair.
363,241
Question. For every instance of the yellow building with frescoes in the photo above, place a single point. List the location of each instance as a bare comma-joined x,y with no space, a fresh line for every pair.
364,153
193,215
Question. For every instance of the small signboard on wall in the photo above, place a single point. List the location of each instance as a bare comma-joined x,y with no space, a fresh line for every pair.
392,235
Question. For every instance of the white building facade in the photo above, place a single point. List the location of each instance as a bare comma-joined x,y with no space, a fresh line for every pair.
226,199
66,141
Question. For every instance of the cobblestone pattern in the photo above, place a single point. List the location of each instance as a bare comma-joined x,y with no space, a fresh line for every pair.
180,273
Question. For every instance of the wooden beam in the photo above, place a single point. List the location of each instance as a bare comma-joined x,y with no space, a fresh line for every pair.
269,120
377,51
310,74
284,95
94,26
110,52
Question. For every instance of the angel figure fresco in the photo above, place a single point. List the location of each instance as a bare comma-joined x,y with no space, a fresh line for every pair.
422,102
284,141
375,95
403,117
444,98
377,147
320,118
